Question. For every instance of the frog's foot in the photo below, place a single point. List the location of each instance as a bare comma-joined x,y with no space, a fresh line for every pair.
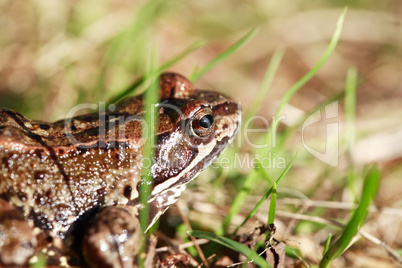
17,242
113,237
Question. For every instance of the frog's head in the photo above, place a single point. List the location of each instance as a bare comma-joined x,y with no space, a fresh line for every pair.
195,126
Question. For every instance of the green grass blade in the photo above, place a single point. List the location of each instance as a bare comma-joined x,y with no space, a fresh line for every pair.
239,200
145,185
236,246
221,57
263,89
289,94
350,105
42,261
267,194
327,243
370,189
263,173
159,70
265,84
289,131
272,205
181,55
120,50
151,98
292,252
181,231
137,35
350,131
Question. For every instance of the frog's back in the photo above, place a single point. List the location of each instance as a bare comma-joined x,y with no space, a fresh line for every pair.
53,180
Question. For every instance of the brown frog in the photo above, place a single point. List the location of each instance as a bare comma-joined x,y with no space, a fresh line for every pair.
70,188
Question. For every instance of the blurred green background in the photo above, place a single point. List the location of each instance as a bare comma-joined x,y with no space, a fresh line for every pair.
55,54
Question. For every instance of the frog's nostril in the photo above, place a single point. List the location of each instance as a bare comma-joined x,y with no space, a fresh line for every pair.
127,191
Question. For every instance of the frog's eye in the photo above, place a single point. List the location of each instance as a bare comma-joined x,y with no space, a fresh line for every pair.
206,121
203,122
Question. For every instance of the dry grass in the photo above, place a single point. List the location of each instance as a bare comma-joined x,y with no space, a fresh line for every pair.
55,54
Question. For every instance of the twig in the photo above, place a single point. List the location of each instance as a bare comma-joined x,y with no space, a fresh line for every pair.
188,225
184,245
339,205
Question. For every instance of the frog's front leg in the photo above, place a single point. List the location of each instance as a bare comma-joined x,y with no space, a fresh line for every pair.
113,237
17,242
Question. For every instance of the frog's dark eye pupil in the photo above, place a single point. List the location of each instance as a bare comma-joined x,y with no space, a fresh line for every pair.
202,124
206,121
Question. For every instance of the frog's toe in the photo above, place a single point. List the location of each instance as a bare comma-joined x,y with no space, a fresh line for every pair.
17,243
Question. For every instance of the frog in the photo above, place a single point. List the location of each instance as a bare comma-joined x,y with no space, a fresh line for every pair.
71,189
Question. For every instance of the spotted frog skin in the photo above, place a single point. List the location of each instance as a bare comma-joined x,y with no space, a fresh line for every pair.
70,188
